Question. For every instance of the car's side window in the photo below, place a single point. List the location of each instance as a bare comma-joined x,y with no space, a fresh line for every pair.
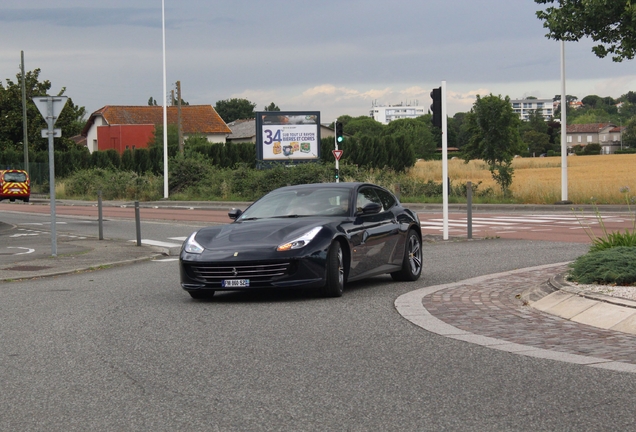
366,196
387,199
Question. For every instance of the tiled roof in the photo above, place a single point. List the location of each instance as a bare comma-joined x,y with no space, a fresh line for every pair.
194,118
588,128
242,129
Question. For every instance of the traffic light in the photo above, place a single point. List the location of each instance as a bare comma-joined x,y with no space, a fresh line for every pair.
436,107
339,135
337,174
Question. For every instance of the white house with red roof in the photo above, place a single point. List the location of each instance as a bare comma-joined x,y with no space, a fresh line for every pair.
130,127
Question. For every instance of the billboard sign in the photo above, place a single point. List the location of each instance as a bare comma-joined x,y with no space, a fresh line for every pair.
288,136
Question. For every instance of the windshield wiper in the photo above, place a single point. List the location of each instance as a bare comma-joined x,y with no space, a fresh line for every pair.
250,218
289,216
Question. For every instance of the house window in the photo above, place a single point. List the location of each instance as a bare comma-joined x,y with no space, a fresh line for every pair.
539,105
527,105
516,105
604,138
579,138
616,138
569,138
589,138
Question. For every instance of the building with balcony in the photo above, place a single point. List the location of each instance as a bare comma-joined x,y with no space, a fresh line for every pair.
524,107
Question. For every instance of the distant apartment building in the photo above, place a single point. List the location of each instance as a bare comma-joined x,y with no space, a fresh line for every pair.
523,107
385,114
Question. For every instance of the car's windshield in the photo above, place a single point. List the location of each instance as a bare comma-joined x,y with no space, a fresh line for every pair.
301,202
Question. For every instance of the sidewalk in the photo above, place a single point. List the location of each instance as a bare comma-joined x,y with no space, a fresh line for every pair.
76,255
496,311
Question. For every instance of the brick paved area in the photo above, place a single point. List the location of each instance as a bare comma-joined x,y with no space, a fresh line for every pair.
492,308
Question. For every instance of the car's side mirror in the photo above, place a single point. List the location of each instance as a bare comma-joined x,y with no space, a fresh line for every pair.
371,208
235,213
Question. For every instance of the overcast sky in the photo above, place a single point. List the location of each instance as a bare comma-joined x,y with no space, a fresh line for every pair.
333,56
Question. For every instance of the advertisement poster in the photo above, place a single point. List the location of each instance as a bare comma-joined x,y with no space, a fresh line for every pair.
289,135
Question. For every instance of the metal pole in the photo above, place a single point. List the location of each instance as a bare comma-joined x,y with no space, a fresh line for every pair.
51,132
444,163
24,116
564,134
137,223
335,140
99,215
165,109
469,209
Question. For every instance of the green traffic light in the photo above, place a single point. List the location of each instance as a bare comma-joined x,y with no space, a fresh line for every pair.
340,139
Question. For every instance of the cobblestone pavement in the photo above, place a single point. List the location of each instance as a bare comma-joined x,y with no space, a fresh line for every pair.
492,307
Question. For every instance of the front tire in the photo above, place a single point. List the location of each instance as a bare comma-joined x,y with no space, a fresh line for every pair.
412,262
335,271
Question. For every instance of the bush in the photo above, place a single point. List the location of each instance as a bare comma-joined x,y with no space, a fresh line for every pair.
113,184
609,266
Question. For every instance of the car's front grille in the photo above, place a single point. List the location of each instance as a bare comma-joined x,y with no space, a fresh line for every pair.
215,273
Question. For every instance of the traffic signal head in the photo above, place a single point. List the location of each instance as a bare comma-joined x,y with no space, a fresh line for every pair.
436,107
337,174
339,134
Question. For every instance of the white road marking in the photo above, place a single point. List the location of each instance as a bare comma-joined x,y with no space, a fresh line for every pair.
181,239
158,243
166,260
28,250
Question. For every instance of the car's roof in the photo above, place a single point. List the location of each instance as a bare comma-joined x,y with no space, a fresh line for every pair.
342,185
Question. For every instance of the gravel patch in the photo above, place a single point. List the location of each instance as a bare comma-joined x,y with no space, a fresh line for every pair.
626,292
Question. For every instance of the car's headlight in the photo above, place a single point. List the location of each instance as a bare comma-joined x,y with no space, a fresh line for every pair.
191,245
301,241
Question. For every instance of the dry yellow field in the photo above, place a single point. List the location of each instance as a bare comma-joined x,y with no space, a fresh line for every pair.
591,179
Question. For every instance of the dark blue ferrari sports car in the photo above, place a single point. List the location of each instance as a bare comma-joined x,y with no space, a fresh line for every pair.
314,235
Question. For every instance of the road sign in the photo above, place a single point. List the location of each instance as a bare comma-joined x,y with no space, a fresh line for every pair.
50,107
58,103
56,133
337,154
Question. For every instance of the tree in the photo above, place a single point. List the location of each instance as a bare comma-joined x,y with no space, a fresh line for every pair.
592,101
536,122
415,134
630,97
610,23
629,135
152,101
235,109
493,130
537,143
363,125
70,120
272,107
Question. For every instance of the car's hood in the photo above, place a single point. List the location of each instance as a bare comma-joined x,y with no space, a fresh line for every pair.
255,233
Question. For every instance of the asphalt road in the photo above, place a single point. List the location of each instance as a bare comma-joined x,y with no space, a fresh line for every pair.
126,349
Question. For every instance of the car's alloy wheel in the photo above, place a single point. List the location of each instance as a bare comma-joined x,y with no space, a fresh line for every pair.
335,271
412,263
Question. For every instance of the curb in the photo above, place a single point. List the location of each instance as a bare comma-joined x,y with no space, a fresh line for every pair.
82,269
558,282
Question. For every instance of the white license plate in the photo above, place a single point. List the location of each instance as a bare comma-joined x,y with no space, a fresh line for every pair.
235,283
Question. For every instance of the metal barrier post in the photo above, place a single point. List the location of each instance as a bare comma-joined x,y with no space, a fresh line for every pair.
100,218
469,209
137,223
